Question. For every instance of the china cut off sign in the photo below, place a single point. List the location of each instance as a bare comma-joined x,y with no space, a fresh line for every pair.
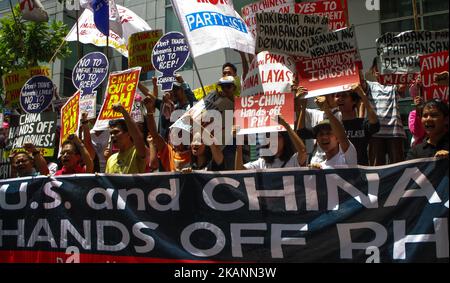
70,117
121,88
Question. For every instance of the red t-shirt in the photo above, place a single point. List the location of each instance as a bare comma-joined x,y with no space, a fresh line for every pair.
65,171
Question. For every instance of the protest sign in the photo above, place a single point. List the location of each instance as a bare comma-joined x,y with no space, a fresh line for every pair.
70,117
254,114
36,128
388,214
36,94
429,66
269,73
398,54
287,33
249,11
335,10
140,47
88,33
329,74
121,88
87,75
14,81
57,104
168,56
213,25
199,94
334,64
136,111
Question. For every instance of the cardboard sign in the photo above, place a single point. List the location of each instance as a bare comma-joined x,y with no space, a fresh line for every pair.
253,114
213,25
335,10
287,33
121,88
88,74
168,56
249,11
334,63
398,55
70,117
199,94
36,128
429,66
13,83
269,73
36,94
140,47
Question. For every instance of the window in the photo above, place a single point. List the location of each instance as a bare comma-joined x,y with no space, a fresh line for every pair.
397,16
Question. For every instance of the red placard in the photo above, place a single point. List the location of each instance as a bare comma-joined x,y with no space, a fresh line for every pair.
328,74
335,10
430,65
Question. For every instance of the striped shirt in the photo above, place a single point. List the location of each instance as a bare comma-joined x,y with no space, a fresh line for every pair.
384,100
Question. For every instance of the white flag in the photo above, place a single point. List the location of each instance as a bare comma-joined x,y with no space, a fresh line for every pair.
32,10
209,27
88,33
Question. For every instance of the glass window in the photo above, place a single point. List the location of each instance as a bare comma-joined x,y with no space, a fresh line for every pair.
397,26
395,9
436,22
429,6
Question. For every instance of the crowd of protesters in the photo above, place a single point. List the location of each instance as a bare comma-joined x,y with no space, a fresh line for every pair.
361,126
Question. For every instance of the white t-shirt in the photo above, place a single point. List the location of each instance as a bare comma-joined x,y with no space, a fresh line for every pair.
312,118
342,158
277,163
99,143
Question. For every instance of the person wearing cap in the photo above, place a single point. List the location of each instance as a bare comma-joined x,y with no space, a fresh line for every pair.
133,155
228,87
332,139
359,130
172,157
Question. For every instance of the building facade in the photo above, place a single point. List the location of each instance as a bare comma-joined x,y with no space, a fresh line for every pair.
371,18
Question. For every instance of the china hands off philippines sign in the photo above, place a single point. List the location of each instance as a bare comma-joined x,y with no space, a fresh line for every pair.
211,25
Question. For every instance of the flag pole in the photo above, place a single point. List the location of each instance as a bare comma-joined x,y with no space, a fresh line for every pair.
189,45
416,17
78,36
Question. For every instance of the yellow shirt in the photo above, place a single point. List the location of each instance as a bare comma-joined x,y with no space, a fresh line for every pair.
127,162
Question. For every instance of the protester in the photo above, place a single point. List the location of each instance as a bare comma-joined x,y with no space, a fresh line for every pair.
391,136
205,157
284,156
358,130
332,139
73,155
415,116
435,122
172,157
133,154
28,163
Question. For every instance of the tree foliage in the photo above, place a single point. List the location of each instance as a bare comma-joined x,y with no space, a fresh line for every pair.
24,44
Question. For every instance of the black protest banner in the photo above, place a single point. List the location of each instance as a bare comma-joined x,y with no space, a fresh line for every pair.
287,33
398,54
396,213
38,129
